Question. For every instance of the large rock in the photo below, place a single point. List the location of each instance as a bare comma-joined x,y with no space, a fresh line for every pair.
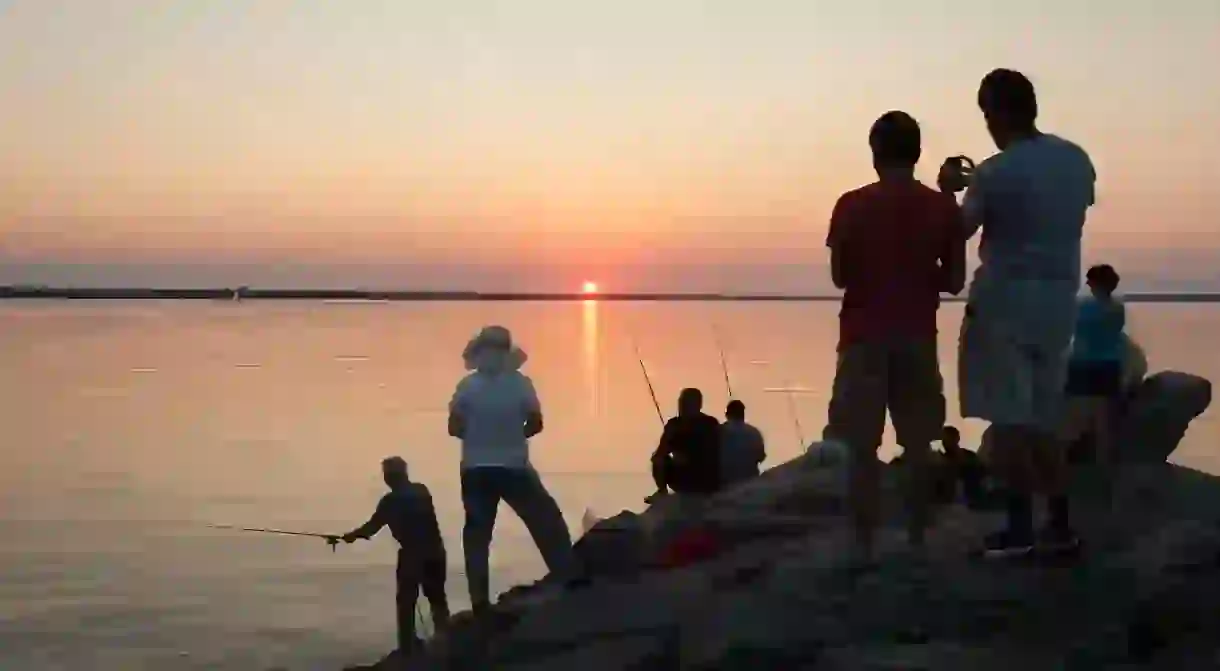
1154,418
1143,595
1159,412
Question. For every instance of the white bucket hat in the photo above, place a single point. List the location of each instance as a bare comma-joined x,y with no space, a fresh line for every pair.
492,348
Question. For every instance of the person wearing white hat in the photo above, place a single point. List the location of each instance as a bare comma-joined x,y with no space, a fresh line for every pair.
494,412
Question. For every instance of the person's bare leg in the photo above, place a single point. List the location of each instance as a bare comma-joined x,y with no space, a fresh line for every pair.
863,495
917,471
1107,467
1012,454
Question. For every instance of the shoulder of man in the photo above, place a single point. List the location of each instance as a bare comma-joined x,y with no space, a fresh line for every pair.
468,382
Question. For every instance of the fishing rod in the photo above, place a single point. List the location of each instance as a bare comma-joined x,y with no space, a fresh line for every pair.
651,392
724,366
796,420
331,539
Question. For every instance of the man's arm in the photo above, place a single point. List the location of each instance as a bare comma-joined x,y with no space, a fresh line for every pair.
760,446
973,207
834,240
371,527
429,519
533,409
665,446
953,256
457,422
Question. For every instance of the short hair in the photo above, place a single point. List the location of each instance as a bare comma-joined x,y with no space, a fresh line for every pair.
394,465
1103,275
895,138
952,432
1009,94
690,395
735,408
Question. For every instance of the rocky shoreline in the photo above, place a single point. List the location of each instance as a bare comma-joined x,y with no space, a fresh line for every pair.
1145,592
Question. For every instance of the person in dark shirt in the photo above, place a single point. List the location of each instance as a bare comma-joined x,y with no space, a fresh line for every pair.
962,466
687,459
408,511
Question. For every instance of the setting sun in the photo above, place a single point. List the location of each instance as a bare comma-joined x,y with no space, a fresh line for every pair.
590,287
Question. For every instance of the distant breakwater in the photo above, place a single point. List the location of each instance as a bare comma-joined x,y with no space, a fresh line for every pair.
229,294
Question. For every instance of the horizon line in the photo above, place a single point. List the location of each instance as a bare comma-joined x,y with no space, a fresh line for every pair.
28,292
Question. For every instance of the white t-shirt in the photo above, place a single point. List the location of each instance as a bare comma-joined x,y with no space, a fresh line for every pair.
494,407
1030,201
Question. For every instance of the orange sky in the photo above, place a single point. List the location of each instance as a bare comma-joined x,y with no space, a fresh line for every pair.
560,134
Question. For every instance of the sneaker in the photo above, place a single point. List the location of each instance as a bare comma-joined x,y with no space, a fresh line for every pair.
1006,545
1056,540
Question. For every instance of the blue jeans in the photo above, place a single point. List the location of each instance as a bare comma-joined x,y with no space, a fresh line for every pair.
482,490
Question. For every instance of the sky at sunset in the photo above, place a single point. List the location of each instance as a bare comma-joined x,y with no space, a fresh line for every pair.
530,145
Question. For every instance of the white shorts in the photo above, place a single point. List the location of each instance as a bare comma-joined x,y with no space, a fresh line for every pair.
1004,381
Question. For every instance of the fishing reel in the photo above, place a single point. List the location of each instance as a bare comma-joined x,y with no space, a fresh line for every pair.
333,542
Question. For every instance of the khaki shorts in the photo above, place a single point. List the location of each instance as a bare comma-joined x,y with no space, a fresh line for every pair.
901,376
1003,381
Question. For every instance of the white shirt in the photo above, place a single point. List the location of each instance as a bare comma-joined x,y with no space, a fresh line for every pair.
494,407
1030,201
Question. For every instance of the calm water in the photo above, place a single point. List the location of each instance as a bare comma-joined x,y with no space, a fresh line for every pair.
130,426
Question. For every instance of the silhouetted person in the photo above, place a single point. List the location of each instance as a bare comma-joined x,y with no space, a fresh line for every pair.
1095,369
1030,202
407,509
895,245
495,411
963,467
742,449
687,459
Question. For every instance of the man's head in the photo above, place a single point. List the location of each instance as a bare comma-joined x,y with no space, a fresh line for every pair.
950,438
1102,280
690,401
735,411
895,141
1009,105
394,471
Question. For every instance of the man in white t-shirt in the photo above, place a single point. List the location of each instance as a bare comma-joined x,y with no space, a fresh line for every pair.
1030,202
495,411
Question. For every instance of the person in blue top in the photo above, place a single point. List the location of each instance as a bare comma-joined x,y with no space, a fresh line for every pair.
1095,369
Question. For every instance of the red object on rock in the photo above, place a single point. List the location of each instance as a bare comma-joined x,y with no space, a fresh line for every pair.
690,547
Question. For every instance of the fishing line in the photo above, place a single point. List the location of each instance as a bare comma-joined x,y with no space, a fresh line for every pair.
724,366
796,420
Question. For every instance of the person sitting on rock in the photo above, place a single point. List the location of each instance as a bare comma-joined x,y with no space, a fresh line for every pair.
687,459
407,509
964,467
742,449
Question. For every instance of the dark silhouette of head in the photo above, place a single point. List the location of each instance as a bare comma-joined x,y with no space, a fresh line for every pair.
735,410
394,472
690,401
1102,280
895,141
1009,105
950,438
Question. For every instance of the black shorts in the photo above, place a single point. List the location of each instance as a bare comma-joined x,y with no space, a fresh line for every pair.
1095,379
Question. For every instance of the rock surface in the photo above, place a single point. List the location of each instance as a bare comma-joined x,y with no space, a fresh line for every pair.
1144,594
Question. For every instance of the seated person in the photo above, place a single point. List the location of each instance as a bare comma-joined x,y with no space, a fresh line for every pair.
953,466
962,466
742,449
687,459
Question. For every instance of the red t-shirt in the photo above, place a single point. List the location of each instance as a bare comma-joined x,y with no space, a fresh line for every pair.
891,237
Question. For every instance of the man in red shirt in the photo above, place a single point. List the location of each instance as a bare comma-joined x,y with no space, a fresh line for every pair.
895,245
